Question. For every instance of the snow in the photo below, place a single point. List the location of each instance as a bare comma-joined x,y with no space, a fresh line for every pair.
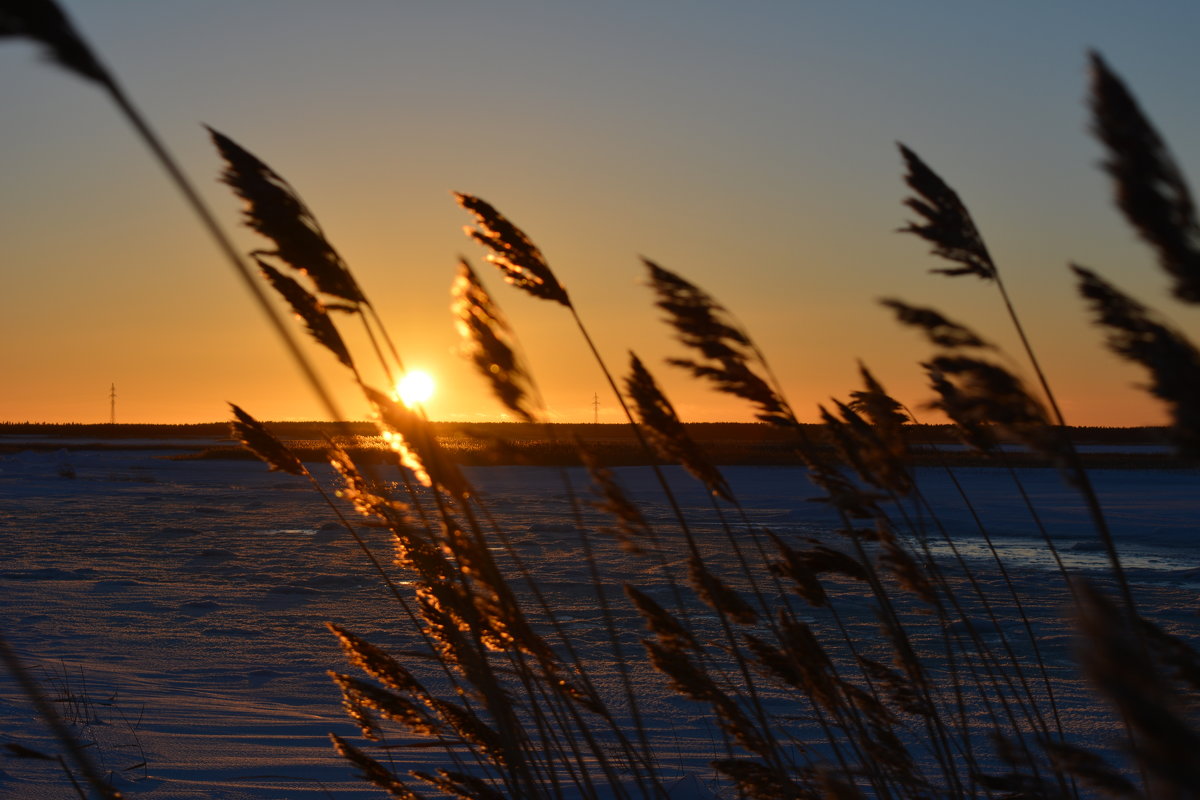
186,601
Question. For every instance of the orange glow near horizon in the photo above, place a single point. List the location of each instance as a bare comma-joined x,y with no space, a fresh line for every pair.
770,179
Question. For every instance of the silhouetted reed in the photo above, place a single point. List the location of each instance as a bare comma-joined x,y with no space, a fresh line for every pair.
760,636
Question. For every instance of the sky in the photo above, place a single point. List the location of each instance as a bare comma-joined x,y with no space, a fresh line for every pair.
749,147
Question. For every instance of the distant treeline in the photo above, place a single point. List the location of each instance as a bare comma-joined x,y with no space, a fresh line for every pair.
748,432
494,443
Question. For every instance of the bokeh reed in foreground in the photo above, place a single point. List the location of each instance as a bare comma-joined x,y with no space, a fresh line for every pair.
952,695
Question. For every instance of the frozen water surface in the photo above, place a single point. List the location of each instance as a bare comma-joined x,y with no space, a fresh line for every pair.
181,604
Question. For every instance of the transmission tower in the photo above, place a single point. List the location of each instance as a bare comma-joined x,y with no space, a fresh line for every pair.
112,404
595,409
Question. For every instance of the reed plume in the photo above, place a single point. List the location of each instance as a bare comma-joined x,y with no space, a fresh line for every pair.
984,393
1150,188
258,440
487,342
945,221
632,527
309,310
1171,359
1114,655
412,438
512,251
791,565
703,324
718,595
362,700
883,410
372,771
670,631
665,431
974,432
376,662
938,329
274,209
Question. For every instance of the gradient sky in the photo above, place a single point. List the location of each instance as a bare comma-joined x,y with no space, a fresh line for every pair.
748,146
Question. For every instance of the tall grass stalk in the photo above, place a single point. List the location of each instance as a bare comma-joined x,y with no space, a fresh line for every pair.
44,22
763,640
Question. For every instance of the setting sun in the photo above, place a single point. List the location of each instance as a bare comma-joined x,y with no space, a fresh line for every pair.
415,387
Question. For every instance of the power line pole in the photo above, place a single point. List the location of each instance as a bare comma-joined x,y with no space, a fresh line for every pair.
112,404
595,409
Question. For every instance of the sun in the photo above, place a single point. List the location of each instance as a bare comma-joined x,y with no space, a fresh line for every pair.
415,387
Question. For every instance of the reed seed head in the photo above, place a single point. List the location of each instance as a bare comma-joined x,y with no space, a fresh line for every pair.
512,251
945,221
44,22
275,210
1150,187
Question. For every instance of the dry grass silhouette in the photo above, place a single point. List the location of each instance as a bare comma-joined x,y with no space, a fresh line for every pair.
764,637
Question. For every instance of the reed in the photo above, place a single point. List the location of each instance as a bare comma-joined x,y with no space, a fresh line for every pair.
759,631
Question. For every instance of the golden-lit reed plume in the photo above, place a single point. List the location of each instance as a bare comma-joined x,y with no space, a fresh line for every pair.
453,783
703,324
363,496
411,436
666,432
945,221
1150,188
274,210
487,342
376,662
512,251
372,771
1171,359
362,701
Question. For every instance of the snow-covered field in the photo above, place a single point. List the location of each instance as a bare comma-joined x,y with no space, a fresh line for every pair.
181,604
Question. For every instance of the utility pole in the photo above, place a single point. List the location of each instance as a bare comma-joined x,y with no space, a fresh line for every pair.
112,404
595,409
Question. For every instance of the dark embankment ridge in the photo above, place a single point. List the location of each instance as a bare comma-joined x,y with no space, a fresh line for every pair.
505,443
